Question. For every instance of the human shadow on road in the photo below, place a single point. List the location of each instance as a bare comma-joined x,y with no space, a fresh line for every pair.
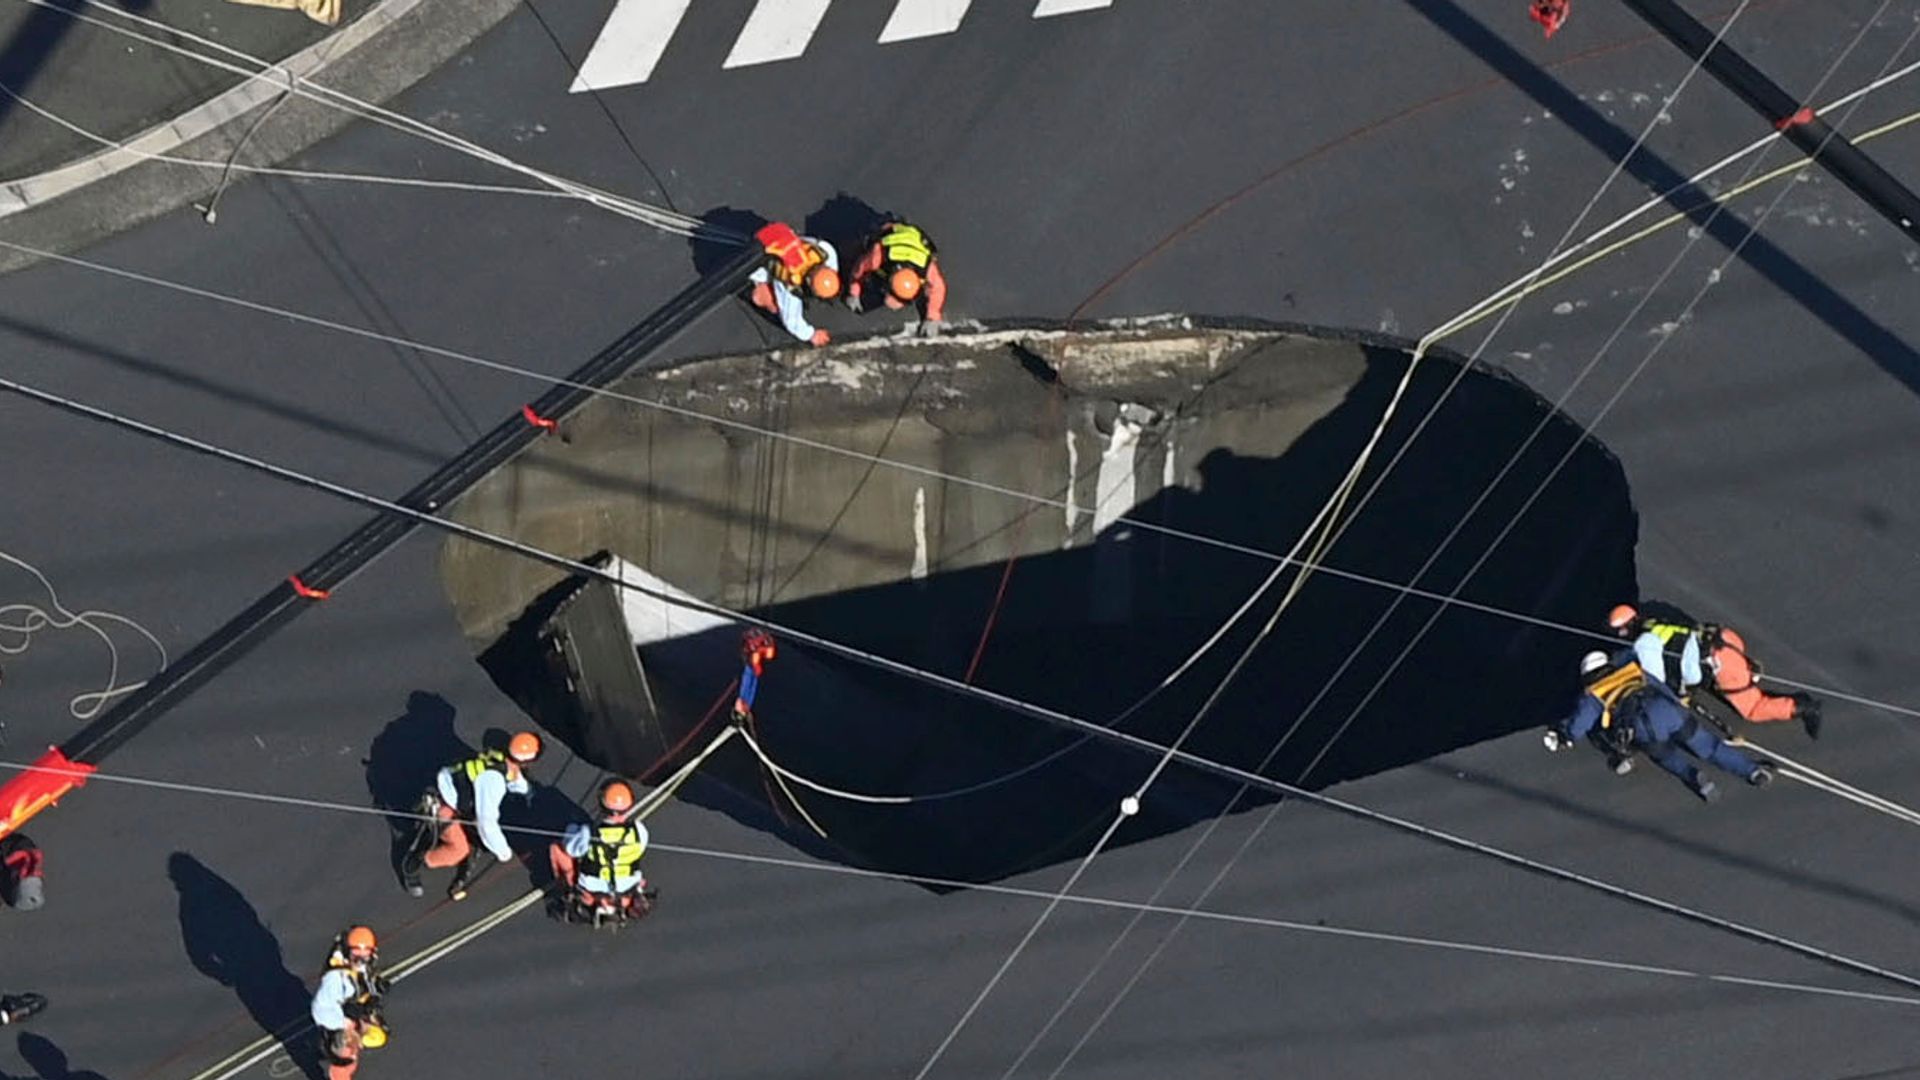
402,761
847,222
709,253
48,1061
226,942
1841,315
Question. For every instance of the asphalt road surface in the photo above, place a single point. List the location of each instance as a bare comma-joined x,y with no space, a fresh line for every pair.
1376,166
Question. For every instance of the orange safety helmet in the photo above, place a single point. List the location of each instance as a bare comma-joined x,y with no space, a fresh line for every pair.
524,747
1622,616
360,941
616,796
824,282
905,283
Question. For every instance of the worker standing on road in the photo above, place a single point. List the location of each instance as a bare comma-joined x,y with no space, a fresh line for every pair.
475,786
903,258
346,1006
601,861
1704,648
798,267
1625,711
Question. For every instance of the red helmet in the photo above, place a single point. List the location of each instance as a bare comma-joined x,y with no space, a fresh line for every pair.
616,796
756,646
524,747
1622,616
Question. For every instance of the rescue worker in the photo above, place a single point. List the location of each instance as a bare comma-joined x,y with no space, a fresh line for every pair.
902,256
797,267
601,861
1703,649
15,1008
346,1006
1624,710
756,648
475,786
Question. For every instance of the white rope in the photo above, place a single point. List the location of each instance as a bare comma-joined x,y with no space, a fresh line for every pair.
665,220
878,460
1206,915
1814,778
1380,681
23,621
1005,701
262,170
813,785
267,1045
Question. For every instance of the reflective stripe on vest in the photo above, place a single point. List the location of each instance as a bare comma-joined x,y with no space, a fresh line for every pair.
789,258
906,245
1614,687
465,773
613,852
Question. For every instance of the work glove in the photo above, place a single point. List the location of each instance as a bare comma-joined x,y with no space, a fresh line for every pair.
930,328
821,337
1555,742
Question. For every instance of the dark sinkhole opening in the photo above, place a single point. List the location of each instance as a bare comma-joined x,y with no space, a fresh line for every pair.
1237,432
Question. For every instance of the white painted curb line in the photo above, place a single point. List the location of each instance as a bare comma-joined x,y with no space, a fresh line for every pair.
222,109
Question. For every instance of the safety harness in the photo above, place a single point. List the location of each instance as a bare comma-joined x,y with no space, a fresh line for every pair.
1615,690
613,852
789,258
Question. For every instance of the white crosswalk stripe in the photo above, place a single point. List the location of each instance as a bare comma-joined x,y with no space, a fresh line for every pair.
1049,8
924,18
777,30
636,35
630,44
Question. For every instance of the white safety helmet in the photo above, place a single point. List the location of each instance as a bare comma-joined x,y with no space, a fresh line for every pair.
1592,662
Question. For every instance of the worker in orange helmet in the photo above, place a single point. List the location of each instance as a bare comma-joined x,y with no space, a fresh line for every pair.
346,1007
1680,651
600,862
473,787
798,268
903,258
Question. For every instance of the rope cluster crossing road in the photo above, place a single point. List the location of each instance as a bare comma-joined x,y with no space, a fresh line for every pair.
266,1046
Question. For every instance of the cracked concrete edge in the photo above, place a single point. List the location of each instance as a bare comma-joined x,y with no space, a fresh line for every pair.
374,58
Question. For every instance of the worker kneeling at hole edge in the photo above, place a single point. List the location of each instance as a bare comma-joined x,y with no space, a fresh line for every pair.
475,786
600,863
904,259
1623,711
1681,651
797,268
347,1005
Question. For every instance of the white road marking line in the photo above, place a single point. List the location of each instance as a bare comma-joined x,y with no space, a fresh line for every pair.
1049,8
777,30
924,18
630,44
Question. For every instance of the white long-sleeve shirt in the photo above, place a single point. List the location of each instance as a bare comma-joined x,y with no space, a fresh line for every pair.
489,788
1651,652
793,308
330,1000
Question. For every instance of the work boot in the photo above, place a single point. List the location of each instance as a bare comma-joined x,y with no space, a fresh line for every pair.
1761,776
1707,791
17,1007
410,865
462,877
1806,709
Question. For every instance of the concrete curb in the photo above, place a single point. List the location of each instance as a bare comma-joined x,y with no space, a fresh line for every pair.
66,208
208,116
